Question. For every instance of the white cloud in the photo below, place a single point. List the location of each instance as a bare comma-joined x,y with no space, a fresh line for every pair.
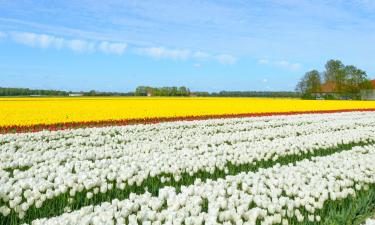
112,48
88,46
184,54
37,40
197,65
2,35
81,46
161,52
201,55
288,65
281,64
263,61
265,80
76,45
226,59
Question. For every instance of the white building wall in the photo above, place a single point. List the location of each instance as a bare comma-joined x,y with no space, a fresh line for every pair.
368,94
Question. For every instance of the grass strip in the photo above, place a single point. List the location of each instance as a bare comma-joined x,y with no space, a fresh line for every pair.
349,211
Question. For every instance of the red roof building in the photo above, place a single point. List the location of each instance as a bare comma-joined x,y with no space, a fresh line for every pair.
373,83
328,87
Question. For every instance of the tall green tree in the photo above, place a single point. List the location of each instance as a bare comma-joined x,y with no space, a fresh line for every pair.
162,91
347,80
310,83
141,91
355,79
183,91
332,69
335,72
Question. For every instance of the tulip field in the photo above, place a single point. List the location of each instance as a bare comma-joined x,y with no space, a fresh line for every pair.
303,167
33,114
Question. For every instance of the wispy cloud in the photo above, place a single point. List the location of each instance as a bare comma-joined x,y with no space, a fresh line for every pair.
76,45
226,59
201,55
162,52
81,46
292,66
112,48
263,61
37,40
288,65
2,35
281,29
197,65
46,41
184,54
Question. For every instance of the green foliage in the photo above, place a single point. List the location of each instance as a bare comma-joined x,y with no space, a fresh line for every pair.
183,91
262,94
163,91
310,83
307,96
351,211
329,97
347,81
335,72
31,92
28,92
99,93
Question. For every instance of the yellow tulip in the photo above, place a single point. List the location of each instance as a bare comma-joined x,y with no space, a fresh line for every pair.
31,111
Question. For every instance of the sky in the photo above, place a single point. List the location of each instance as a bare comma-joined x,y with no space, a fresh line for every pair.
212,45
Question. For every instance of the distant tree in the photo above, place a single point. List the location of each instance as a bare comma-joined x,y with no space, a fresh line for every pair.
366,85
92,93
183,91
356,79
163,91
141,91
264,94
348,80
310,83
202,93
335,72
332,68
27,92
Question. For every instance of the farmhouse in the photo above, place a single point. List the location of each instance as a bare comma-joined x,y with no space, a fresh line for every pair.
75,94
368,94
327,89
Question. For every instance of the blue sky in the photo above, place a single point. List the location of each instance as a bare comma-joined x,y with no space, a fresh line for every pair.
210,45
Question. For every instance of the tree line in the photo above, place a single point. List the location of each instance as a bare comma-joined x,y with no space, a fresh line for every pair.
30,92
261,94
153,91
37,92
162,91
184,91
105,93
345,80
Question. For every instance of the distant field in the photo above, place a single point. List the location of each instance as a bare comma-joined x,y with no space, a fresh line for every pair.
32,111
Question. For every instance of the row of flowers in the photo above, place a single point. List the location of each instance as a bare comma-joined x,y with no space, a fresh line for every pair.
310,190
150,120
36,168
19,150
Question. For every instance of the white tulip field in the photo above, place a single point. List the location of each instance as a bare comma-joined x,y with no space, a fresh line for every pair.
292,169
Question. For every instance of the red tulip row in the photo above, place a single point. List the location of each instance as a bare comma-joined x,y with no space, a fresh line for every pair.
104,123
